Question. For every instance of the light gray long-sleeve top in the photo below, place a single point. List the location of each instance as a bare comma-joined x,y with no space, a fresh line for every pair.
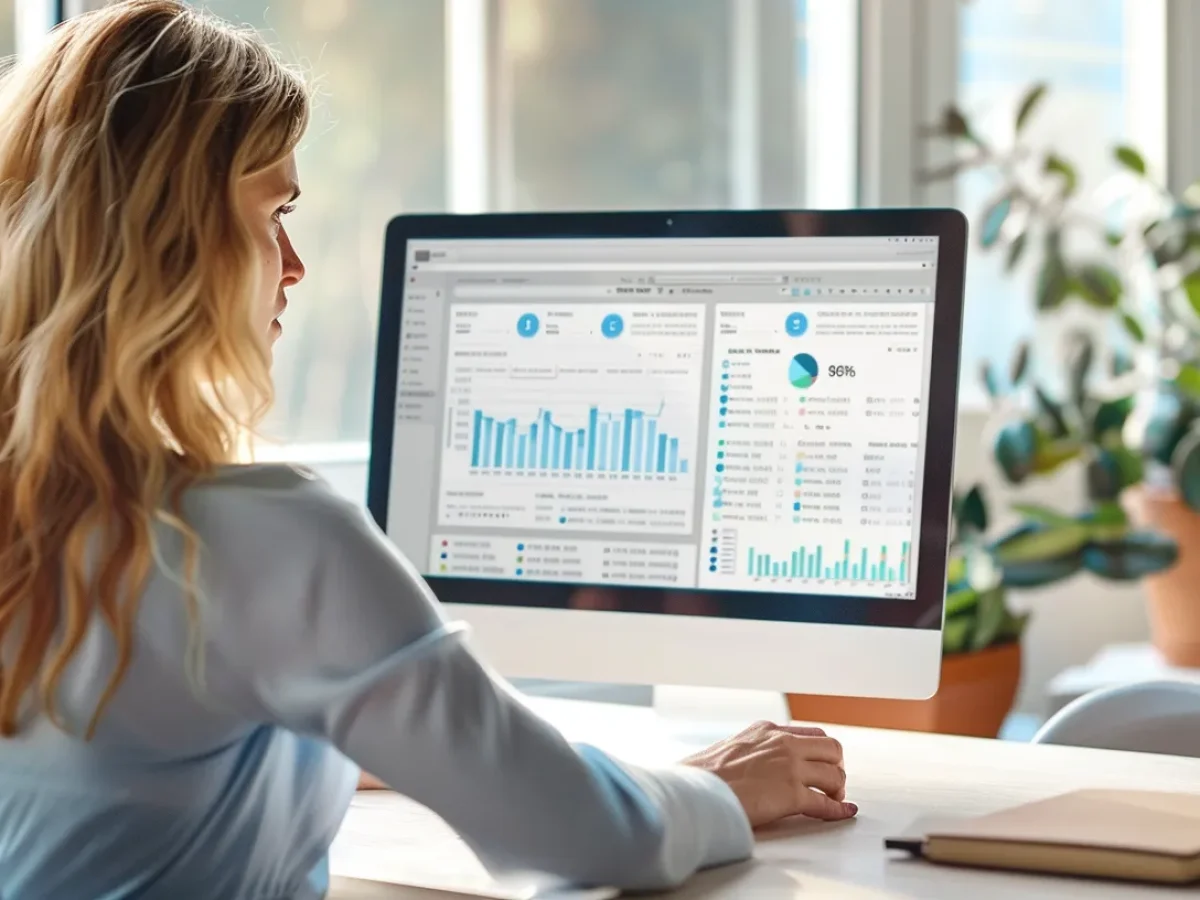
324,652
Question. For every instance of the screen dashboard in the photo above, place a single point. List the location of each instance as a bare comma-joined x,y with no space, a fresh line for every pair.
709,414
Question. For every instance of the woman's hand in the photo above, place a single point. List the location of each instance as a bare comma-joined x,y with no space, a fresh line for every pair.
778,771
370,783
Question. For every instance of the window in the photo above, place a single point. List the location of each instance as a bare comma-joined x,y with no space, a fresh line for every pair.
376,147
470,105
8,29
1083,52
614,104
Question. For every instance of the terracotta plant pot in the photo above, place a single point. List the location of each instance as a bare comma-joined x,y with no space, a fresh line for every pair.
975,696
1173,596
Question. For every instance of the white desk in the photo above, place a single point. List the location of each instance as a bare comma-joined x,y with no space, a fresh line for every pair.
896,778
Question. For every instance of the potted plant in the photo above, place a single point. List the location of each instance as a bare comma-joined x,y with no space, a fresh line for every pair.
1131,425
981,663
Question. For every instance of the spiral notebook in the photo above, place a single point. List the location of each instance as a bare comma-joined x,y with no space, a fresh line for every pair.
1143,836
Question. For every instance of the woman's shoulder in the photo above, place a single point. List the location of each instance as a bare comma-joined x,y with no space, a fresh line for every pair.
272,477
261,500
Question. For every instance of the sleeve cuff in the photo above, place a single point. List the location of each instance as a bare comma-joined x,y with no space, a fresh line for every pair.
705,824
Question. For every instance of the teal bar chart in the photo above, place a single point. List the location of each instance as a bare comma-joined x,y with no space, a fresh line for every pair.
629,441
836,562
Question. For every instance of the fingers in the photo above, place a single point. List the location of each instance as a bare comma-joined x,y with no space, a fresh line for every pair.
816,805
802,730
825,777
815,749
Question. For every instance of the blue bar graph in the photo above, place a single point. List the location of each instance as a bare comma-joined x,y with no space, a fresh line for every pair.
810,562
629,441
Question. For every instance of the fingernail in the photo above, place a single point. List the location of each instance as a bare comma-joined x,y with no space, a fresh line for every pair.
851,808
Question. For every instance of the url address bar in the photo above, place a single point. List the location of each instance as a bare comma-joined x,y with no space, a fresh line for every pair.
648,266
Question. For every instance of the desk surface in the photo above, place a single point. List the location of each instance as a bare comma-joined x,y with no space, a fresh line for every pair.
897,779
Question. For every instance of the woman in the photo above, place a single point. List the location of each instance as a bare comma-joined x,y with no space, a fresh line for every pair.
196,657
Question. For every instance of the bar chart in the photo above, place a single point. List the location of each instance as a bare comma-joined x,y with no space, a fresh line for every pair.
847,562
574,425
625,441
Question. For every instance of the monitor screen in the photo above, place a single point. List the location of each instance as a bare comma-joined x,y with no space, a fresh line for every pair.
700,414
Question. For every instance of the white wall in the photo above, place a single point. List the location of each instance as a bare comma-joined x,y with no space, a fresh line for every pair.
1071,621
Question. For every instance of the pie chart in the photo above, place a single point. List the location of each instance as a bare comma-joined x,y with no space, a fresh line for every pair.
802,371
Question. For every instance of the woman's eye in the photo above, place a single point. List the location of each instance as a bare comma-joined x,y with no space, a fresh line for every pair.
277,216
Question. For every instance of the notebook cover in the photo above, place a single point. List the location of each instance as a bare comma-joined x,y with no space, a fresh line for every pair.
1164,824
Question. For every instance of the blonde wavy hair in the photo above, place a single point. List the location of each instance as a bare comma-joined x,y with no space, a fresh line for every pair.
129,364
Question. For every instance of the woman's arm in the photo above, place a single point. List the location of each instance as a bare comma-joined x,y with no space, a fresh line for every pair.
368,782
344,640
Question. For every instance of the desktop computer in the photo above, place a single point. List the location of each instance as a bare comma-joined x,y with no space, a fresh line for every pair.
695,448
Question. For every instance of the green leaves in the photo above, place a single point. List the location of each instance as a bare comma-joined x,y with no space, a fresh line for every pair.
1133,556
1015,449
989,379
1167,422
1042,542
1020,364
1042,515
1028,104
1080,356
1130,159
1109,416
1053,281
1013,626
1039,573
1121,362
1016,250
1050,546
1110,471
1188,380
1099,285
954,124
993,220
1191,290
956,632
1038,553
990,613
1052,413
1185,466
1056,165
1051,454
970,513
976,616
1133,328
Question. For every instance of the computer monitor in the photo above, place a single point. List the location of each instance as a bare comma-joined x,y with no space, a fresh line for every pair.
692,448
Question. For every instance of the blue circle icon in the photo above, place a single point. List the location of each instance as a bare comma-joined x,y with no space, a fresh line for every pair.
527,325
612,326
796,324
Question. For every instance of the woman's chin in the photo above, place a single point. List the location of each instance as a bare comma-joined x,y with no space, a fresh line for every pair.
275,331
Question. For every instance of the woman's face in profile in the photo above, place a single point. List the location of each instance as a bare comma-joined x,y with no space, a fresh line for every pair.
265,198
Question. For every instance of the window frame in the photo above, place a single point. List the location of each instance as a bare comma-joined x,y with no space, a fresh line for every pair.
910,52
905,54
763,82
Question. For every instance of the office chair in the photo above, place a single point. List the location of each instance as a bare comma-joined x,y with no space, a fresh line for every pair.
1145,717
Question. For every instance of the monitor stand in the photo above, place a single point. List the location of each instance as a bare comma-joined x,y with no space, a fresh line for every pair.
707,715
